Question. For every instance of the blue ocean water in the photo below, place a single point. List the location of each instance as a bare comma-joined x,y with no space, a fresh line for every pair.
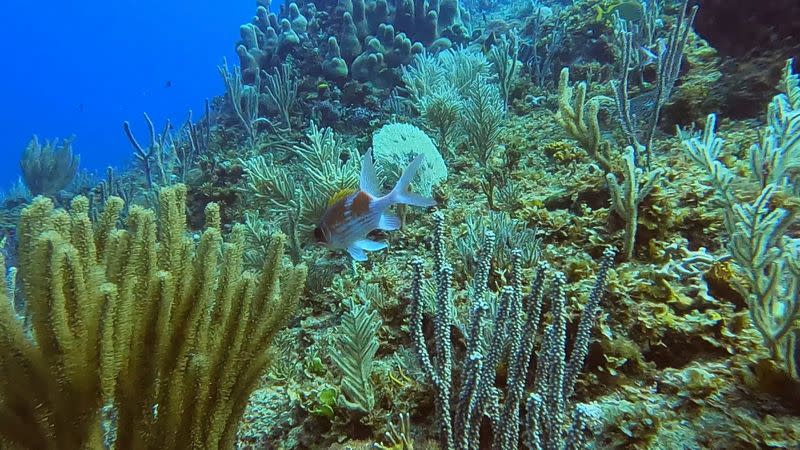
84,67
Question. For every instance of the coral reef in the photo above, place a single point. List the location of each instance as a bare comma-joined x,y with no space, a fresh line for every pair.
550,143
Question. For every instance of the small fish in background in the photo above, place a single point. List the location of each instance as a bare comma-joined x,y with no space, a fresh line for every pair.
648,57
489,42
168,84
351,215
628,10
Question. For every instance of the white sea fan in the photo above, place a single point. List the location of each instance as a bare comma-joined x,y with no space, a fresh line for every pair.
395,145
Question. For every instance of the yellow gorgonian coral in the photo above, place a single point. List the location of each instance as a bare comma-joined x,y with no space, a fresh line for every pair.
173,332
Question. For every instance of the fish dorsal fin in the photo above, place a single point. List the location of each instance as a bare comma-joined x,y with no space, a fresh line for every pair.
339,195
369,179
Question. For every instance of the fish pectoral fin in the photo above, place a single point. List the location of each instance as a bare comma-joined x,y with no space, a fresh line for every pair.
357,253
369,245
389,222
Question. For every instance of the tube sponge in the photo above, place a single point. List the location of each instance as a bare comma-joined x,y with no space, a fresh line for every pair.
298,20
334,67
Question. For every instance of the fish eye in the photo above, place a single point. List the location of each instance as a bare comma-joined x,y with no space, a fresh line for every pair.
319,235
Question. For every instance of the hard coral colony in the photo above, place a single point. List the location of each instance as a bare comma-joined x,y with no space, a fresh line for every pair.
589,277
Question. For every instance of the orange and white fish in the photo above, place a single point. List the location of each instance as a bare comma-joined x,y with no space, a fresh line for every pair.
352,215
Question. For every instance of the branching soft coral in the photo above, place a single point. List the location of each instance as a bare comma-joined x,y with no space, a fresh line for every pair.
172,332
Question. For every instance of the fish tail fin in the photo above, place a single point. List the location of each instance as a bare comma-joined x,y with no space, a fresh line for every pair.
400,192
